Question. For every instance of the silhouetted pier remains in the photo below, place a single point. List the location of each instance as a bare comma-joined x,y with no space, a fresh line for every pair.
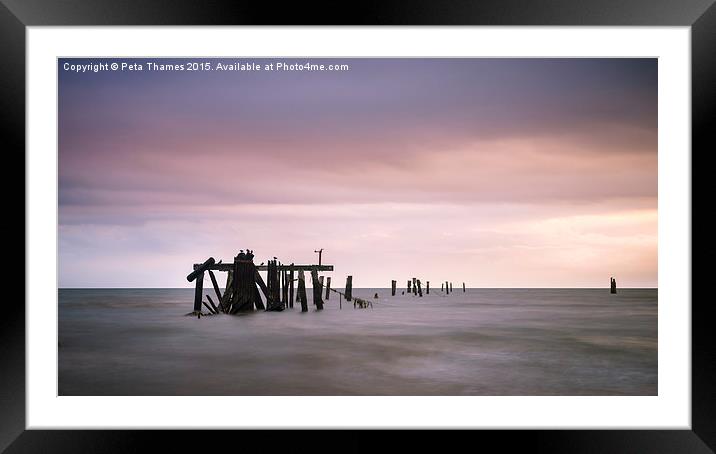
244,285
246,290
613,285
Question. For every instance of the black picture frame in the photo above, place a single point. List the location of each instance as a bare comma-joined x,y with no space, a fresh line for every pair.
700,15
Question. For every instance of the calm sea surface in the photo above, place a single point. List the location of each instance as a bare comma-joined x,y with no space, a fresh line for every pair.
482,342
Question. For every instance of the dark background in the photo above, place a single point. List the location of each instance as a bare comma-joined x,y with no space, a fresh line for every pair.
15,15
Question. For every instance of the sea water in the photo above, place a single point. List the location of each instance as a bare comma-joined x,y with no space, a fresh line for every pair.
478,342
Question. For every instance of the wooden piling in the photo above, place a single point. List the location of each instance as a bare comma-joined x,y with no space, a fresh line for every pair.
284,295
198,291
290,287
420,289
451,287
392,287
463,287
302,291
328,288
447,288
427,287
442,287
408,285
274,290
349,288
243,298
415,288
612,286
317,289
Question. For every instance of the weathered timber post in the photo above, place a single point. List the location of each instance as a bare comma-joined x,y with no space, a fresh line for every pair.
317,289
442,287
451,287
447,288
349,288
328,288
612,285
244,295
273,285
216,287
408,285
198,291
415,288
290,287
392,287
302,291
463,287
284,296
427,287
420,289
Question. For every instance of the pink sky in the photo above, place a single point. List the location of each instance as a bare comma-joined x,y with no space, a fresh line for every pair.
496,173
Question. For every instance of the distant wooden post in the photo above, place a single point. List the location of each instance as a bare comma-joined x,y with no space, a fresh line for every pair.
451,287
317,289
463,287
328,288
613,286
427,287
408,285
415,288
442,287
349,288
198,291
447,288
302,291
392,287
420,289
290,287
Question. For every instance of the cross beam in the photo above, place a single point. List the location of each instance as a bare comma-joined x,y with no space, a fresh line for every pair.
230,266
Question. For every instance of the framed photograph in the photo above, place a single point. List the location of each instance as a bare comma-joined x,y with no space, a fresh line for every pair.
354,224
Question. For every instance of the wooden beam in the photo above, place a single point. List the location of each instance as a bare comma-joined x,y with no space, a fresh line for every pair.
230,266
213,306
201,268
216,286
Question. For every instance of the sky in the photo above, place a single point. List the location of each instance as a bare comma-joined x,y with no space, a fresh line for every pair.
492,172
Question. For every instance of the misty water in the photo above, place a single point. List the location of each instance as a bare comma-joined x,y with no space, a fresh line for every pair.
482,342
